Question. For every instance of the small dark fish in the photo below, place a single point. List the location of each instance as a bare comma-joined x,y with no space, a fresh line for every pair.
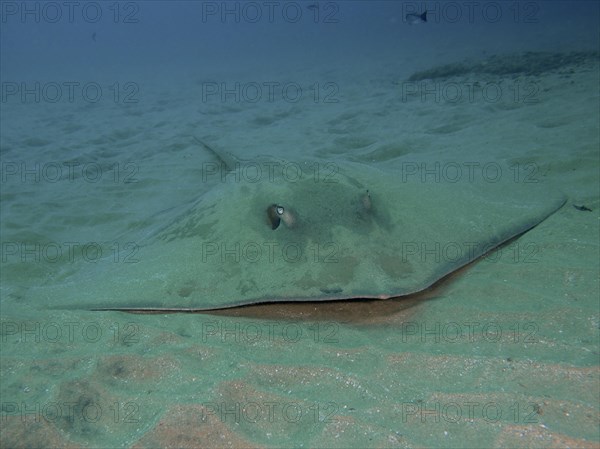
582,208
415,19
94,37
313,6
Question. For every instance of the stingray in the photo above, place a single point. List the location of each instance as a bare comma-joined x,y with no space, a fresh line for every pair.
270,230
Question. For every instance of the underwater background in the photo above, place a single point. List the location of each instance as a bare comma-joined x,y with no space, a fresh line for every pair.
100,103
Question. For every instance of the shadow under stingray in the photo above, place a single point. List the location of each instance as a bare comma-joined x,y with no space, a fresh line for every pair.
355,311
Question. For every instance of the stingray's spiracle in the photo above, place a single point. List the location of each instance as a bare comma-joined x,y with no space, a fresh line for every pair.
366,201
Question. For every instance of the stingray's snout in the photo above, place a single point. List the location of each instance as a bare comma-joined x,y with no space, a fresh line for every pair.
276,214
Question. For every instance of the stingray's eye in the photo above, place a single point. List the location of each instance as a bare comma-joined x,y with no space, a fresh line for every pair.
274,213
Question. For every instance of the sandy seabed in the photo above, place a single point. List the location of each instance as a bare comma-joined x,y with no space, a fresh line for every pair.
502,353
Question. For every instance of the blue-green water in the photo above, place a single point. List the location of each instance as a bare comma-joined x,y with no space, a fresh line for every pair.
96,119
